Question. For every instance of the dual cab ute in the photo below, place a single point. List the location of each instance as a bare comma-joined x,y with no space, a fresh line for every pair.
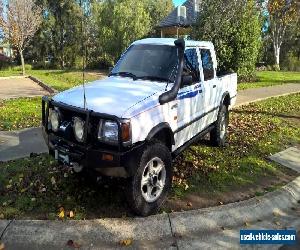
162,95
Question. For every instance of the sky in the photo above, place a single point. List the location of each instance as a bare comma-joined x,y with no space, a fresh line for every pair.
178,2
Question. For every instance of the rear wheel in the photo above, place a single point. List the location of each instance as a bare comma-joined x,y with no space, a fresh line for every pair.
148,188
219,134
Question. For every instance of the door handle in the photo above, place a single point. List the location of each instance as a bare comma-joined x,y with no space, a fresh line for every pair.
214,86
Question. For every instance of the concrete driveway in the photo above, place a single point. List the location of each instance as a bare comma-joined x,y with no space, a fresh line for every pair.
20,87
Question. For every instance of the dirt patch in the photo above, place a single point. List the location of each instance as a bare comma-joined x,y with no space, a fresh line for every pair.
209,198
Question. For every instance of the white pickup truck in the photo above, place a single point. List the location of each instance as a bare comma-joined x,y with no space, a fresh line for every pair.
162,95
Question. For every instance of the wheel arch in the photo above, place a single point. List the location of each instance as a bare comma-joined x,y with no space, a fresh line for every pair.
164,133
226,99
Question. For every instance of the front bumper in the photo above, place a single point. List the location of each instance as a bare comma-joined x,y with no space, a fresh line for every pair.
117,161
119,164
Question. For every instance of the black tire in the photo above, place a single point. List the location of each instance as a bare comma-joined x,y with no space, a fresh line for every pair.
135,198
218,136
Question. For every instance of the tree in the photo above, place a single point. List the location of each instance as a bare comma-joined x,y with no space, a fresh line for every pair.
20,22
158,10
282,13
235,29
118,23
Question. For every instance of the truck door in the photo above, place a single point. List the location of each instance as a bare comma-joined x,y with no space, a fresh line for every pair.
189,99
210,85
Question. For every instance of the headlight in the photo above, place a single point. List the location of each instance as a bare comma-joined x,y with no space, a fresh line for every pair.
54,120
78,127
108,131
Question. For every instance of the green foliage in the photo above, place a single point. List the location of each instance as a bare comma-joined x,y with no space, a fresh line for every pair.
119,23
59,35
235,29
108,28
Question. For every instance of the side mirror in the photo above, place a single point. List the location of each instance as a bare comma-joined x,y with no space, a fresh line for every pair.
186,80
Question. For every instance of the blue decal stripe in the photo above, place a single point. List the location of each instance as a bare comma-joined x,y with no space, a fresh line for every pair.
189,94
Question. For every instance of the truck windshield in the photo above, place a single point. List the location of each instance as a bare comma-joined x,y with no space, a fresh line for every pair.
148,62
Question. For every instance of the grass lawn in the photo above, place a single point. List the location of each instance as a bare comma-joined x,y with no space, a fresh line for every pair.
271,78
7,73
20,113
62,79
39,188
58,79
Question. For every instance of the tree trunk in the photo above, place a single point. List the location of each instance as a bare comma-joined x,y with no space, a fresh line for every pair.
23,62
277,55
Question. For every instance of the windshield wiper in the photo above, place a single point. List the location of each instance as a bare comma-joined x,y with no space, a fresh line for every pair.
124,74
153,78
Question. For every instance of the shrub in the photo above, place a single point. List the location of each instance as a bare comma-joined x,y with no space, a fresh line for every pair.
235,29
19,67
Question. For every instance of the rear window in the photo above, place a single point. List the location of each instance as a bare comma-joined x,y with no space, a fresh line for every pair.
207,65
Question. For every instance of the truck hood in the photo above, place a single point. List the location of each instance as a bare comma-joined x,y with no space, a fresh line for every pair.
114,95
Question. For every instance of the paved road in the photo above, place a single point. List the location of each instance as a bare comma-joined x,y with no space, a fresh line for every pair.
20,87
21,143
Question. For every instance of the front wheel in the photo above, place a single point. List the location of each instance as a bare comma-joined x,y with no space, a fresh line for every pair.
219,134
149,187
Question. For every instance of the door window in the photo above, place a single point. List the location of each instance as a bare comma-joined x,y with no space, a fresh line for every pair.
191,65
207,65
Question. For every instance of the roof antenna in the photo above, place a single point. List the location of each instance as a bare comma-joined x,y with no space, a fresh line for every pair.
83,54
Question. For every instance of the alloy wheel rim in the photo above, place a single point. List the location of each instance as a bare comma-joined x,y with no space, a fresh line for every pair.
153,180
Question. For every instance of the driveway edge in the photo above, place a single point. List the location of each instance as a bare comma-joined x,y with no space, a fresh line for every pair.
43,85
28,233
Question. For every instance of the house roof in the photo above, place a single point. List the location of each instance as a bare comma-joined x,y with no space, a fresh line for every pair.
191,15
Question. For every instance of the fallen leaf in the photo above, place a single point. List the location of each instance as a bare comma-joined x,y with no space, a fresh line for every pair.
277,223
189,204
65,175
247,224
61,213
2,247
276,213
53,181
126,242
221,203
71,214
1,216
8,186
33,199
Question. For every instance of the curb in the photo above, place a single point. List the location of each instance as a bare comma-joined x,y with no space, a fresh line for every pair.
108,232
43,85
